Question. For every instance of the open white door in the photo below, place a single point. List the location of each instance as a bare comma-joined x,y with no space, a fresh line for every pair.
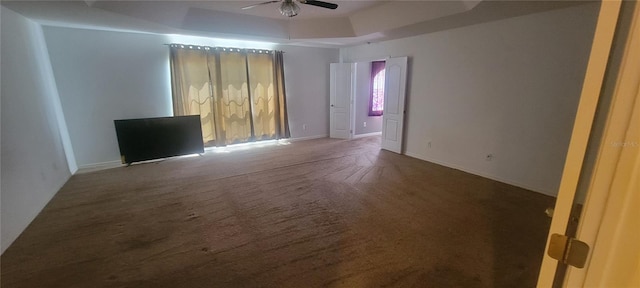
562,215
395,86
340,100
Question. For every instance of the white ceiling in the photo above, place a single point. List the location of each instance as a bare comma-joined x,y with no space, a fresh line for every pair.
353,22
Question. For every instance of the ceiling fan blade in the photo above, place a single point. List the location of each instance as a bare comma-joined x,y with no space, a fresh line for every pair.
259,4
320,4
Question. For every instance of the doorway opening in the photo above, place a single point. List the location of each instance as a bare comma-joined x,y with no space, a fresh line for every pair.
376,95
367,99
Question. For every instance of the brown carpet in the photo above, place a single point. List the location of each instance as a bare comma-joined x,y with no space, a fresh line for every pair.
319,213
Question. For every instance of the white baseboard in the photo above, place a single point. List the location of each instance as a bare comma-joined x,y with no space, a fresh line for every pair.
482,174
367,135
307,138
99,166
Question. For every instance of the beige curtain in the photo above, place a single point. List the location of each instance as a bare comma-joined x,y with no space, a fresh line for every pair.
238,94
281,119
262,95
191,82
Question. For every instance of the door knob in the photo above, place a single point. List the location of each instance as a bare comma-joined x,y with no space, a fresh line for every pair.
331,105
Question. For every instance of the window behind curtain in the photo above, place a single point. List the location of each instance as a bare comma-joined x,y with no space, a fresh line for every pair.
376,100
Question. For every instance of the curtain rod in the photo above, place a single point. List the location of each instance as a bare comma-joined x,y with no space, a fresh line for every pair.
218,48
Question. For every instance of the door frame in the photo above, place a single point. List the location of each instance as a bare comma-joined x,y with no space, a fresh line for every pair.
599,205
352,116
607,223
355,95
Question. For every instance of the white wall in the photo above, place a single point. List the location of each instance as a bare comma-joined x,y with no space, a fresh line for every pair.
103,76
307,82
34,164
361,101
508,88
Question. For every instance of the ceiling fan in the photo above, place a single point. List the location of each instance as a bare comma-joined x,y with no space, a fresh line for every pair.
289,8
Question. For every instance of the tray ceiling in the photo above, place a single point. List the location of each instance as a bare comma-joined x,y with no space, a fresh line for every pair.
354,22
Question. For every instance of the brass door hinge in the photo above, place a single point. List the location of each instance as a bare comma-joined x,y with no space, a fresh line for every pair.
568,250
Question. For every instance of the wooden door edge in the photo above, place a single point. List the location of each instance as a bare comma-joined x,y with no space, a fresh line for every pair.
594,76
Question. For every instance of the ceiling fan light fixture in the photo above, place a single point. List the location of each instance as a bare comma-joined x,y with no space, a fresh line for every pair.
289,9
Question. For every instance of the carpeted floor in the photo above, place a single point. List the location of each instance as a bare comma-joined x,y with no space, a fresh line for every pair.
318,213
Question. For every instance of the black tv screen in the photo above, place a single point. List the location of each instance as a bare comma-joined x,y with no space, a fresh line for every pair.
154,138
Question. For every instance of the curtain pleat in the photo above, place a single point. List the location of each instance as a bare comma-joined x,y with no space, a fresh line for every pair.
235,98
239,96
261,75
191,88
281,118
216,88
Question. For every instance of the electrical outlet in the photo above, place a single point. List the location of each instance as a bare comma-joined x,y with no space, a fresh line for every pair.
304,126
365,124
489,157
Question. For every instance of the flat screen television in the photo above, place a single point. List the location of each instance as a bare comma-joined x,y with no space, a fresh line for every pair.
154,138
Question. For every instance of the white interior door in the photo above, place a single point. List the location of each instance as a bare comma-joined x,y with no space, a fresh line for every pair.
395,86
340,100
590,95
